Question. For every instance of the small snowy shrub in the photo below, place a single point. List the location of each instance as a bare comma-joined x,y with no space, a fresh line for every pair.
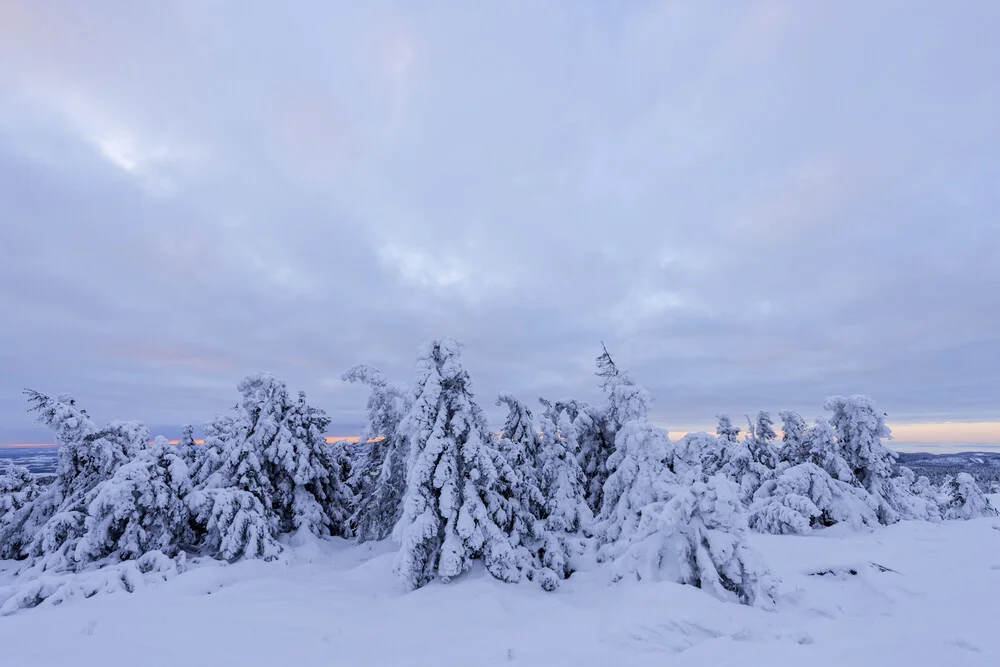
805,496
916,499
698,537
963,499
235,523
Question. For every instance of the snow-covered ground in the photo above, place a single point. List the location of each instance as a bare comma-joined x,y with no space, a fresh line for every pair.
335,603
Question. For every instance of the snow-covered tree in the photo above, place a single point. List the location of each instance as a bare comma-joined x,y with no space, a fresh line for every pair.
824,451
699,450
520,477
922,487
916,500
87,454
52,523
752,460
141,508
596,442
607,370
726,431
452,510
209,457
860,429
728,436
235,524
310,476
795,444
380,470
275,449
568,517
17,488
640,475
697,536
186,447
963,499
258,423
805,496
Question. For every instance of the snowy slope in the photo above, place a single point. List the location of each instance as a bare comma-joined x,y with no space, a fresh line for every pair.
334,603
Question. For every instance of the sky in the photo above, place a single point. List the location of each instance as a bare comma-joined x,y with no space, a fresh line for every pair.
755,205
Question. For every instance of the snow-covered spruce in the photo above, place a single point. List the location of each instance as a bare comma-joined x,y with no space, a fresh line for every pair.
17,489
186,447
795,445
597,427
141,508
822,448
209,457
234,524
452,509
640,476
379,474
639,470
728,434
917,499
275,450
697,537
961,498
312,489
568,518
860,429
49,526
805,496
520,480
752,460
595,442
699,450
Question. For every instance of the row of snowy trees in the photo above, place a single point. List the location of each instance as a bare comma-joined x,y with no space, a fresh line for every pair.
530,502
263,471
835,471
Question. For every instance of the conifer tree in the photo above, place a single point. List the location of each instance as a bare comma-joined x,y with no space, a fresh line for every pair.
275,449
795,445
380,471
209,457
752,460
186,447
860,429
520,476
52,523
568,518
697,537
963,499
17,489
141,508
452,510
805,496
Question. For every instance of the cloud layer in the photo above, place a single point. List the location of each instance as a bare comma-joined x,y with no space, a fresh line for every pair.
753,207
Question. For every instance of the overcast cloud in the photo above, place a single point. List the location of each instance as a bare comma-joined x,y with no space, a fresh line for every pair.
755,205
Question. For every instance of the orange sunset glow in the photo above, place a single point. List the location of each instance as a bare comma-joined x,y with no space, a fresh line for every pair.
984,433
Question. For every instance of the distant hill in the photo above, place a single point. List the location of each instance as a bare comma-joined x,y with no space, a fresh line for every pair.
984,466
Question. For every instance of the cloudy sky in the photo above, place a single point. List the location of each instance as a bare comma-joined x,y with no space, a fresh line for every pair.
755,205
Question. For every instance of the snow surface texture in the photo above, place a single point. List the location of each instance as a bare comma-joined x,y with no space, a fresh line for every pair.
923,594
